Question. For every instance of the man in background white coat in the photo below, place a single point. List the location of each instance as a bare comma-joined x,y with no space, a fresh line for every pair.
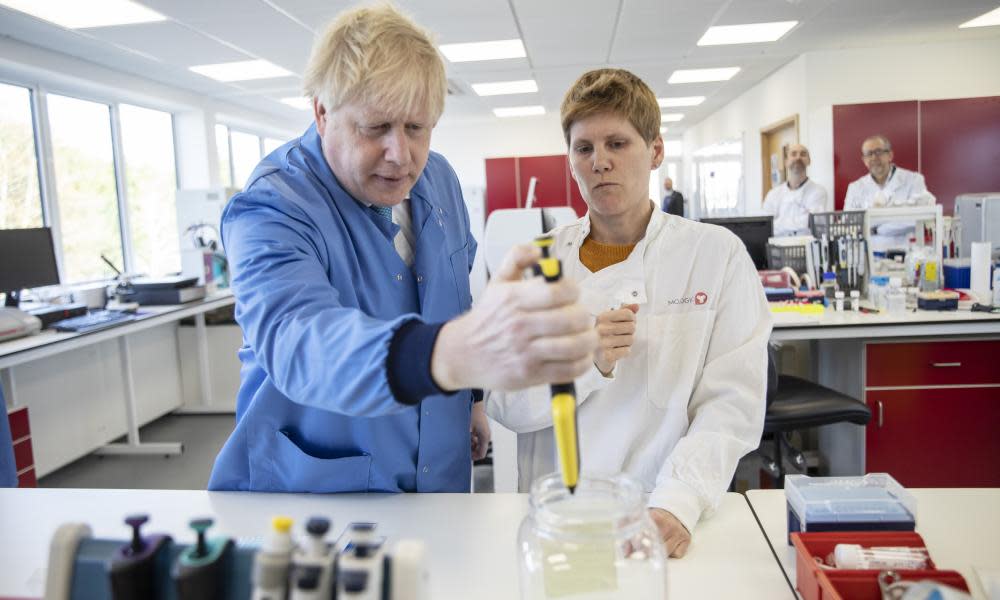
792,201
885,185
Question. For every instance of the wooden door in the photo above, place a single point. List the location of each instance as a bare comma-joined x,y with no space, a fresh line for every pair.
774,142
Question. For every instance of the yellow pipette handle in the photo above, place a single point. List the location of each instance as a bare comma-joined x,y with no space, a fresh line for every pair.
563,394
564,423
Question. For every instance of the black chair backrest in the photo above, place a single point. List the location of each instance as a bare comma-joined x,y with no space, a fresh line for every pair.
772,375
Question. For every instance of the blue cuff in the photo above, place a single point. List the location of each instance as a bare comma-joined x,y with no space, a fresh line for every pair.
408,366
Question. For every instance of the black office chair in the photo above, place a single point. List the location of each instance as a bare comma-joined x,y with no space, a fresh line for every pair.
794,403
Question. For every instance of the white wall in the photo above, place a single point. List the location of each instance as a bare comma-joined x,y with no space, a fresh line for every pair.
467,143
812,83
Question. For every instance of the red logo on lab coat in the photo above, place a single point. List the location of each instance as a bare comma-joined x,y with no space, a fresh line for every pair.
700,298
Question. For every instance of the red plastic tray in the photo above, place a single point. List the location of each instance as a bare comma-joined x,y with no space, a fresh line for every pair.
815,583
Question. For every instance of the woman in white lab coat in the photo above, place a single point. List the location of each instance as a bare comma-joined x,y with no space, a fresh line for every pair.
676,395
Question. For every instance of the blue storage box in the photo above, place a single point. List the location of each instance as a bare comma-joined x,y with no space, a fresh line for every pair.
957,273
873,502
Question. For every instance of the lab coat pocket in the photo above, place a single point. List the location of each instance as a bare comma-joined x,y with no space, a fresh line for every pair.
295,470
460,269
676,348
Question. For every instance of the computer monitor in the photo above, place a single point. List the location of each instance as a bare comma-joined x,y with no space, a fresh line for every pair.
754,231
27,260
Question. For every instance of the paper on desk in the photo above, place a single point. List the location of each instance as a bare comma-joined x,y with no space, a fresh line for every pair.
989,579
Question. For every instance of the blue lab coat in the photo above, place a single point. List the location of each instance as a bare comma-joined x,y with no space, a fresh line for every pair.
320,291
8,468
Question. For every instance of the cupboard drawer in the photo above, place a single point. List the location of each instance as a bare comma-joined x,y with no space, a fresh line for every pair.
932,363
27,479
23,457
19,427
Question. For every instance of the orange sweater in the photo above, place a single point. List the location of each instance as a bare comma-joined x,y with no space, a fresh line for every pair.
596,256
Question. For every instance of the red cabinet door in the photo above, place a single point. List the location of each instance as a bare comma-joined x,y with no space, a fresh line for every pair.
958,147
943,437
550,179
501,184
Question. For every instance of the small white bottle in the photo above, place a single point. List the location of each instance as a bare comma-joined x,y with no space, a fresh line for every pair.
853,556
839,300
856,300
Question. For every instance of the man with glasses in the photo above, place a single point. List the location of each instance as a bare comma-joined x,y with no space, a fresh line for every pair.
885,185
792,201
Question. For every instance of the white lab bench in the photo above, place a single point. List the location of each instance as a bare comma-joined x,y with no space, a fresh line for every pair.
138,370
924,374
471,538
961,527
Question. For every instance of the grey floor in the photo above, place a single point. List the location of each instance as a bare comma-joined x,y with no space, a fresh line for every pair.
202,436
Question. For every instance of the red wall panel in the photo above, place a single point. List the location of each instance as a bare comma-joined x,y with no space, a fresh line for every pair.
852,123
550,188
960,147
575,197
501,184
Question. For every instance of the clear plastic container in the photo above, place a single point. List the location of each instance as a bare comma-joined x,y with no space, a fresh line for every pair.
873,502
597,543
829,286
877,291
895,297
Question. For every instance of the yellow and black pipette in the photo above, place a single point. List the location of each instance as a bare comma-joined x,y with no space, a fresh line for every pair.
563,394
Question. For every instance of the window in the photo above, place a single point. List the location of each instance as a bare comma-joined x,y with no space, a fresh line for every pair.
86,190
719,179
271,144
20,197
246,155
150,183
225,162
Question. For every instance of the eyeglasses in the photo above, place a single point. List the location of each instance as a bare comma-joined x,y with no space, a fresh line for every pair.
876,153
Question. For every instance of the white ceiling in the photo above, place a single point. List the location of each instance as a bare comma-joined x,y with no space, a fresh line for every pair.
563,38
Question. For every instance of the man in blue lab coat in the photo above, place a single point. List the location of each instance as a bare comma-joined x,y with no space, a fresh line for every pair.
350,253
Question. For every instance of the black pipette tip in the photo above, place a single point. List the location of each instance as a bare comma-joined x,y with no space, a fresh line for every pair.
200,526
136,522
572,489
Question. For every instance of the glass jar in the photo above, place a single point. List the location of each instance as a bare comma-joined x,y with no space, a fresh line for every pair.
599,542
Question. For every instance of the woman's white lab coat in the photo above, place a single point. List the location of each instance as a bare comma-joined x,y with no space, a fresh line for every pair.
679,412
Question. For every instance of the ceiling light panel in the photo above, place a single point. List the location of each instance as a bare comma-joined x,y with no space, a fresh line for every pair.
74,14
519,111
670,117
476,51
680,101
500,88
751,33
703,75
243,70
988,20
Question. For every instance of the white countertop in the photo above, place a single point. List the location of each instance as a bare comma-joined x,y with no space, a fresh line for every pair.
49,341
471,538
961,527
848,324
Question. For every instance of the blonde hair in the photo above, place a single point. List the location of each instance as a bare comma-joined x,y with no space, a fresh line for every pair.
378,56
615,91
